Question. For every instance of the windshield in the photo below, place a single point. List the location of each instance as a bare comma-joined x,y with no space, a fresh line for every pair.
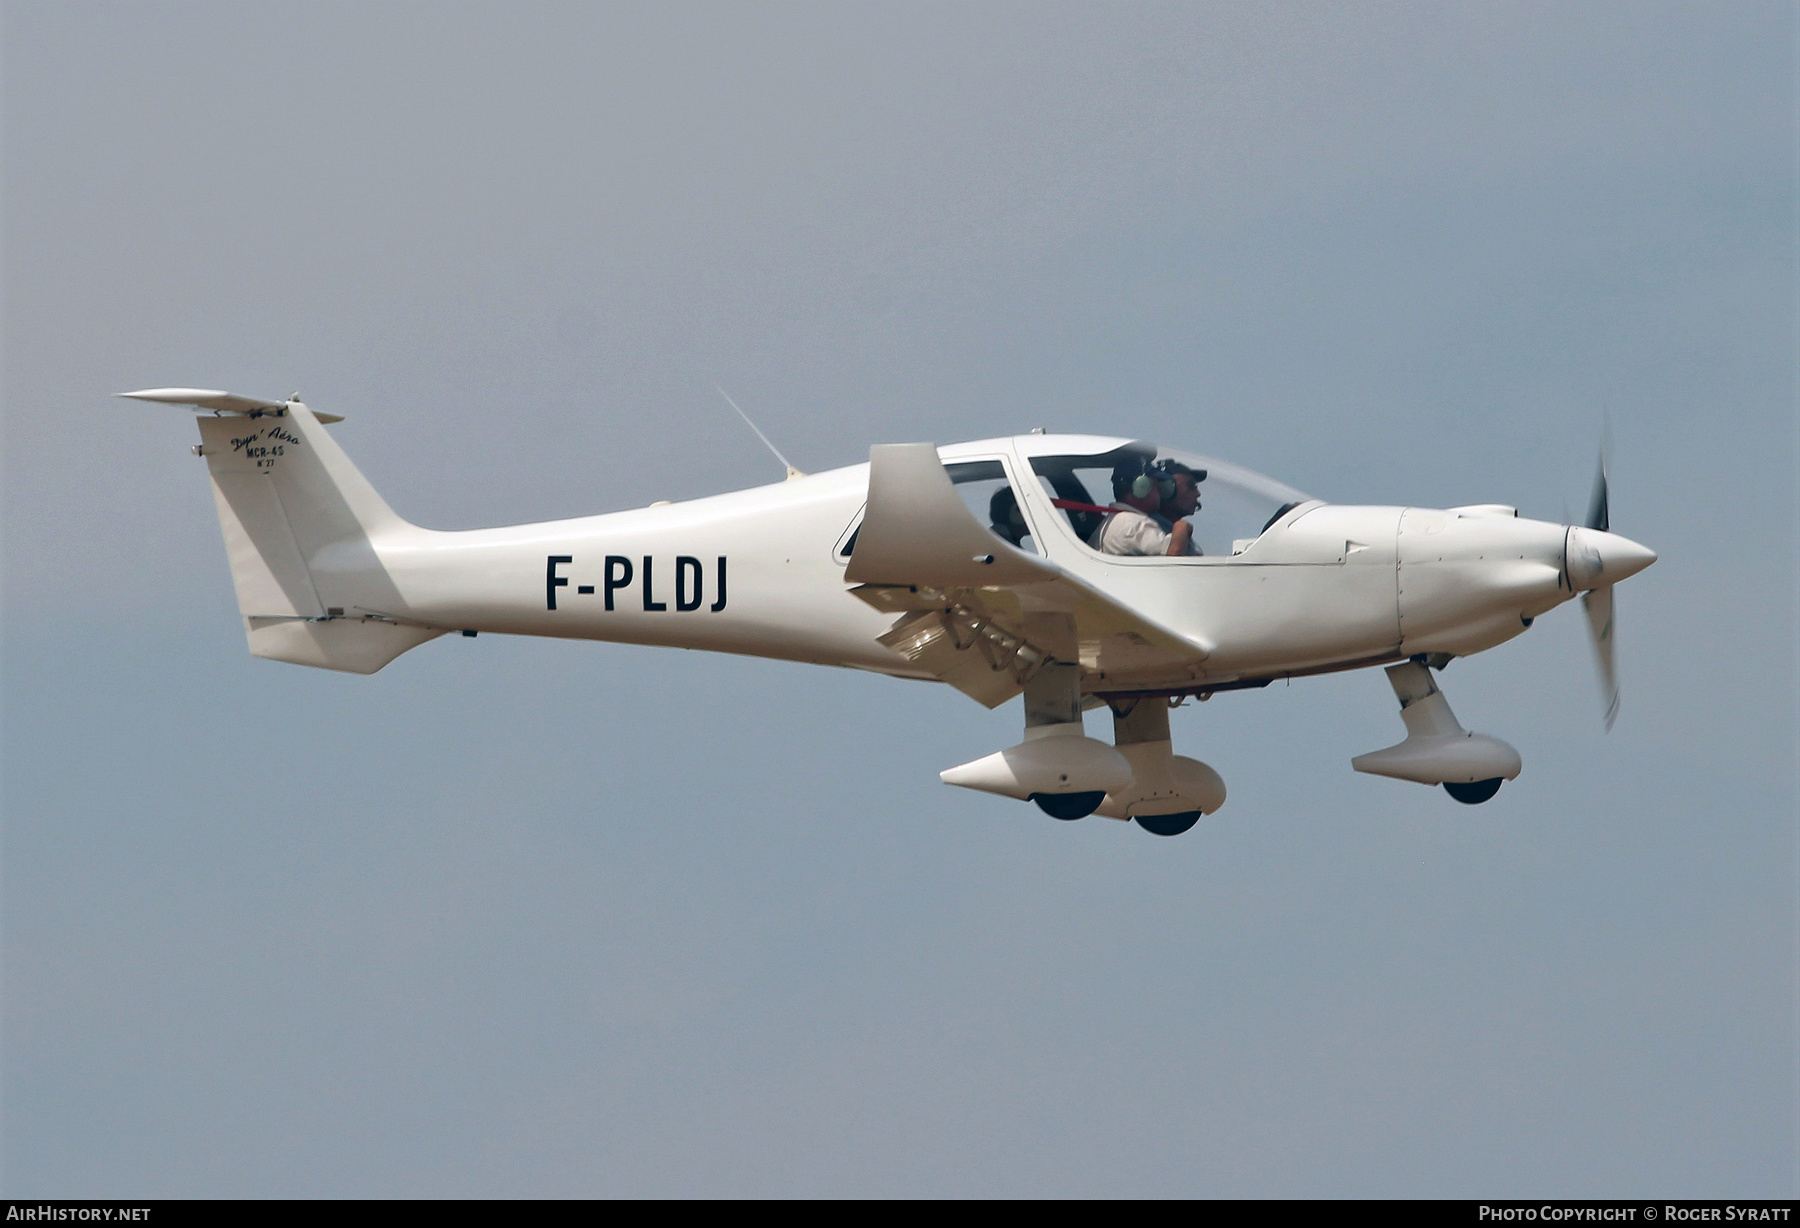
1236,504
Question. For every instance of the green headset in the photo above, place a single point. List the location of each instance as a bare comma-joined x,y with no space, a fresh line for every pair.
1140,477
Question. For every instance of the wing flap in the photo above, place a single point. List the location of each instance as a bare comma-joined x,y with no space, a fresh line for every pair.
968,656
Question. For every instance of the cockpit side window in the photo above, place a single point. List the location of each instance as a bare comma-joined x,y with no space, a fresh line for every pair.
990,498
1080,487
1070,496
988,494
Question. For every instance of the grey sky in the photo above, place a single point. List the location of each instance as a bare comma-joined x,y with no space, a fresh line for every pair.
517,917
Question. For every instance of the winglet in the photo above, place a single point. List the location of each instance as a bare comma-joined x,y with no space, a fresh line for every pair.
917,531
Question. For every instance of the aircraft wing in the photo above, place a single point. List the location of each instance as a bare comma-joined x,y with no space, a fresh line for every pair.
979,613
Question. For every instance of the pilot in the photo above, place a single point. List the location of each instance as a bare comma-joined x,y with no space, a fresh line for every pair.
1185,501
1151,501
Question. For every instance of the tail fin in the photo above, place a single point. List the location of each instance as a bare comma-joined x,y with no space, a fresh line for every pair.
302,530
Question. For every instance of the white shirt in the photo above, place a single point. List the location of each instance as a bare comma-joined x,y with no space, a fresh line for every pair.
1129,531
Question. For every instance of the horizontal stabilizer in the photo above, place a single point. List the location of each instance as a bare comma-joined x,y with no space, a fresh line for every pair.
354,645
219,402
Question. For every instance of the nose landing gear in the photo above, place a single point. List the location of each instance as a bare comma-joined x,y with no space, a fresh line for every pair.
1437,749
1475,792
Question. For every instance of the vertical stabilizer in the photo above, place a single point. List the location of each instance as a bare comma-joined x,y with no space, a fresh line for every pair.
304,532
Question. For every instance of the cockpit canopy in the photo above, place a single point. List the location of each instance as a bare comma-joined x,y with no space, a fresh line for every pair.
1074,477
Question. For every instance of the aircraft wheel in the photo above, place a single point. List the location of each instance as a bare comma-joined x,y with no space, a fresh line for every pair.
1473,794
1168,824
1068,806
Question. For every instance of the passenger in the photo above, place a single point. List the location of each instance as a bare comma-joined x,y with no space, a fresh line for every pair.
1005,518
1143,491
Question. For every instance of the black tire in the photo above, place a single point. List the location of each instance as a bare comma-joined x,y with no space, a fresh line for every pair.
1168,824
1068,806
1473,794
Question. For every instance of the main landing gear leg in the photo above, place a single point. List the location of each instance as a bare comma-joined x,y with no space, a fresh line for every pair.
1067,773
1052,707
1168,792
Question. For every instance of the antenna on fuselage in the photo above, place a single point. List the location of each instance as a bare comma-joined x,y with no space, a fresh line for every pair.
792,472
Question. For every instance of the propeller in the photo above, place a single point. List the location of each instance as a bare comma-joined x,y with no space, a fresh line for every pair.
1598,603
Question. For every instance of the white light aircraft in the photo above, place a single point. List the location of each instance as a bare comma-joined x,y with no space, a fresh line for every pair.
968,564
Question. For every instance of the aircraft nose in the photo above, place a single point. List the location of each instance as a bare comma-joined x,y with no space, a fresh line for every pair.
1596,558
1624,557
